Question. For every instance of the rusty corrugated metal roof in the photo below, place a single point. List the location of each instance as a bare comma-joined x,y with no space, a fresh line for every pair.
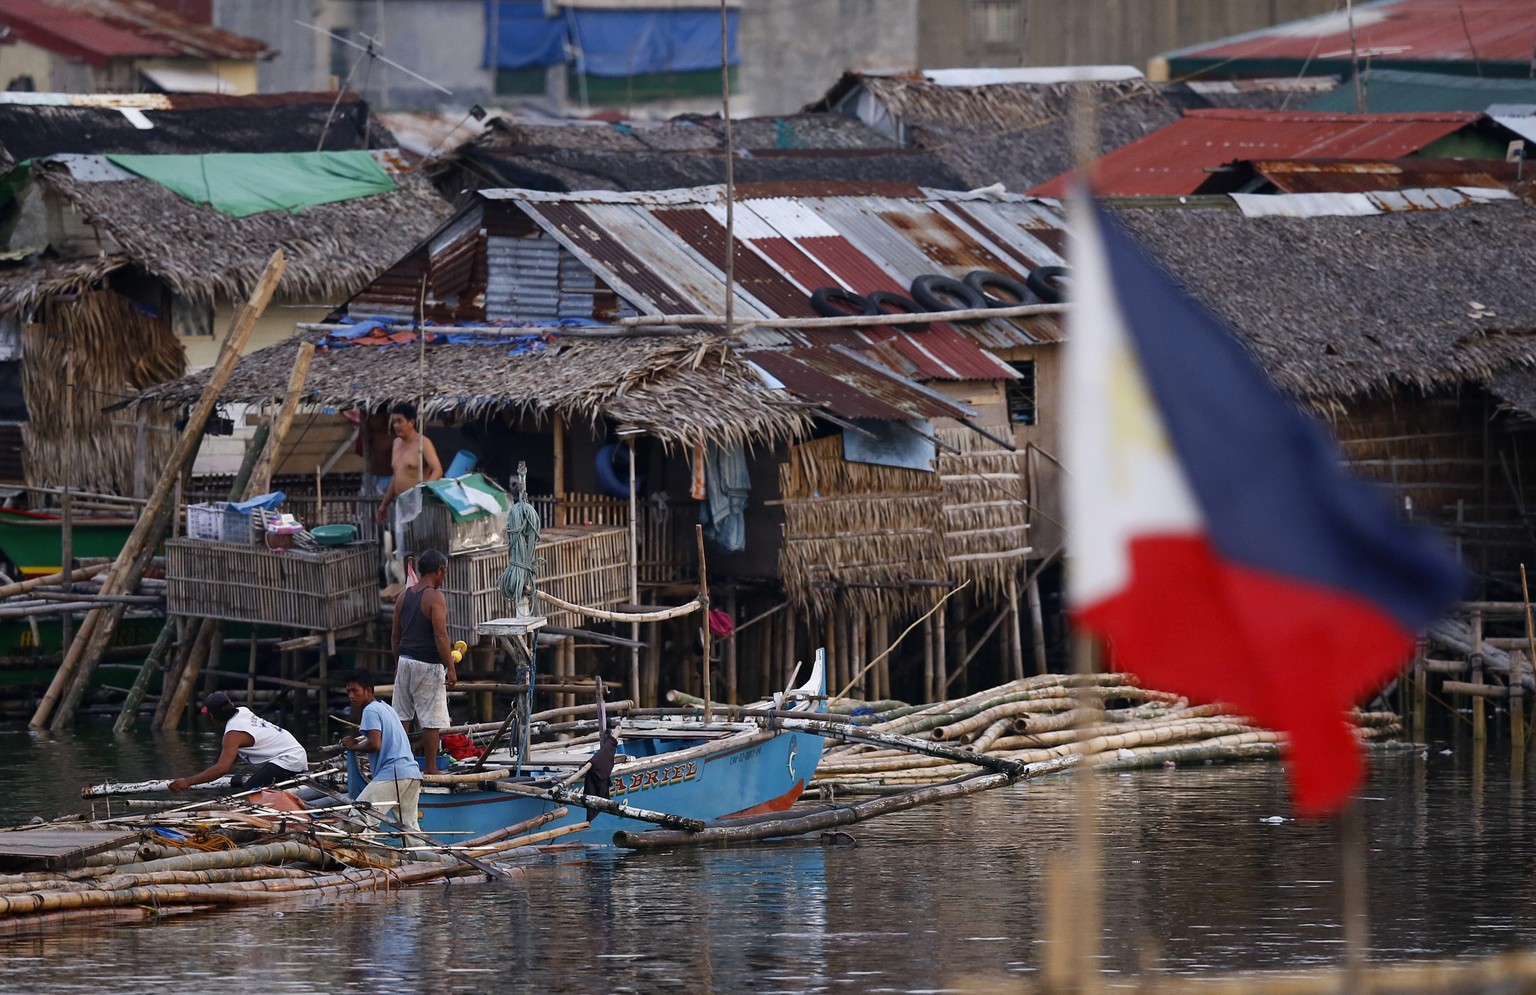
1392,33
850,387
1178,159
1364,175
665,252
97,31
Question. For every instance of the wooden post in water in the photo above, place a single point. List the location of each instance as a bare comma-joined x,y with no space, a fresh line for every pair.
731,691
1516,709
1037,623
1479,704
709,711
941,647
634,574
1420,731
67,505
931,692
1015,634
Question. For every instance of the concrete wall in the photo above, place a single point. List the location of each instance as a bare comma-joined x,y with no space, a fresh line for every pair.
22,59
1087,32
793,51
222,453
443,40
302,60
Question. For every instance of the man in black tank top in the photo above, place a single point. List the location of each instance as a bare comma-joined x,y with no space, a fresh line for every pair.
424,668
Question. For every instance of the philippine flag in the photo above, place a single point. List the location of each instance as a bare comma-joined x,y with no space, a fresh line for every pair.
1218,545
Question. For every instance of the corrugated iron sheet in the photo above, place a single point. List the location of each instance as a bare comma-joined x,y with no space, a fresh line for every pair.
1361,176
1401,31
1178,159
664,252
849,388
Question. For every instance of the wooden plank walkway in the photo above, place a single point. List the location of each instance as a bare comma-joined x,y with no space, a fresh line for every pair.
56,848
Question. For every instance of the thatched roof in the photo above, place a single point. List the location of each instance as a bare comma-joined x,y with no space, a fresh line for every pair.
202,253
1341,307
288,122
683,152
677,388
1018,134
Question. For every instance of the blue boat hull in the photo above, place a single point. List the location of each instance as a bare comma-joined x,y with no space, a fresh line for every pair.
741,776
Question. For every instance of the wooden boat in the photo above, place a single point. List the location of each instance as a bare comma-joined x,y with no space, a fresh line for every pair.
32,541
684,768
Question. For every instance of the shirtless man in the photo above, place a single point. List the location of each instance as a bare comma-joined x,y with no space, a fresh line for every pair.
412,456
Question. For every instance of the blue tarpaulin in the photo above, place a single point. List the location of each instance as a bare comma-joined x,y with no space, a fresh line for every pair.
518,35
635,42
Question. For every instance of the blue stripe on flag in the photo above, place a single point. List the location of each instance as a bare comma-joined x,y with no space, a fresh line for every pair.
1268,479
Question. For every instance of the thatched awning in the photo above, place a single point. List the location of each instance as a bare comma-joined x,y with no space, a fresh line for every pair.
679,389
1345,307
202,253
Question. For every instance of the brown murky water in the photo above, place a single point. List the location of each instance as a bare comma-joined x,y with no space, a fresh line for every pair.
1203,869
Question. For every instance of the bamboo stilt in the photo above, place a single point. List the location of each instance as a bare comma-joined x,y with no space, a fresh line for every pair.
64,692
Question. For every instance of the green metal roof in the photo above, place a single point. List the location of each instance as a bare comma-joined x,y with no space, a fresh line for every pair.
1390,91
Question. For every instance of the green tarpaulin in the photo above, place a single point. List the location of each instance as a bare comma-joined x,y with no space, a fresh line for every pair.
246,183
468,497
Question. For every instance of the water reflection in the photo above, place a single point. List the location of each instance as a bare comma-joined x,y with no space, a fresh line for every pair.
1198,877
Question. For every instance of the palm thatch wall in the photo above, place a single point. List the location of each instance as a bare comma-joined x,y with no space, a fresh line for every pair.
855,534
106,347
986,520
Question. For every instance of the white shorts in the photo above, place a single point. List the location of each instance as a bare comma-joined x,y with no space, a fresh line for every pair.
402,797
421,692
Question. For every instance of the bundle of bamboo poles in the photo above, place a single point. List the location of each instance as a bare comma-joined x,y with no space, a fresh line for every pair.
1107,720
234,851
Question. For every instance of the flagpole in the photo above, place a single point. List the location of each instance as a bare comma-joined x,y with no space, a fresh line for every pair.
1075,884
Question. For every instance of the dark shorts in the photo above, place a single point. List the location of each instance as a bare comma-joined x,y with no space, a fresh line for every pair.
267,773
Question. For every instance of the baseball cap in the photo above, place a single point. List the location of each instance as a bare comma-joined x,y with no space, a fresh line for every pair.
217,703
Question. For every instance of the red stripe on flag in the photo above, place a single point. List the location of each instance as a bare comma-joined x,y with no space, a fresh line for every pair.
1292,656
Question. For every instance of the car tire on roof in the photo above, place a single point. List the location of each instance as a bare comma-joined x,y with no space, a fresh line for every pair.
835,302
998,290
941,293
887,302
1050,283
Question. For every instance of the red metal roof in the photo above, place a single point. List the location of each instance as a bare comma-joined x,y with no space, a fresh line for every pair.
1400,30
97,31
1177,159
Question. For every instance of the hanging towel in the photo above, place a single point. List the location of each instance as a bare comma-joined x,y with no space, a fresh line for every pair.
727,484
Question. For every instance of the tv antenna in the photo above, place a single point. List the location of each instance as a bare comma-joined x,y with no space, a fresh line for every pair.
373,51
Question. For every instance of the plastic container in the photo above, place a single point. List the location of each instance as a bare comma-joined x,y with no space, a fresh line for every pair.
334,535
464,461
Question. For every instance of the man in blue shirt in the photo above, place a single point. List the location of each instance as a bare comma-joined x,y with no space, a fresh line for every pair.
396,775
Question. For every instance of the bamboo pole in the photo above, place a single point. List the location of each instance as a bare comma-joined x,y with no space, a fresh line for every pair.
1015,636
25,586
559,445
727,833
850,321
698,532
135,697
70,681
634,573
261,475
